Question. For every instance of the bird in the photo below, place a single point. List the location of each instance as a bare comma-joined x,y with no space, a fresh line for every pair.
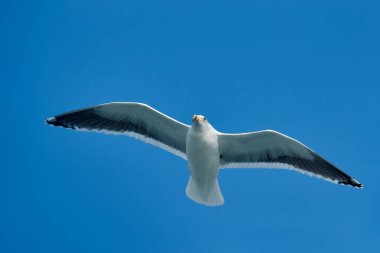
204,148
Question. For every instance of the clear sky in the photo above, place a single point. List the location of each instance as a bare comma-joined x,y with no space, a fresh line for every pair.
309,69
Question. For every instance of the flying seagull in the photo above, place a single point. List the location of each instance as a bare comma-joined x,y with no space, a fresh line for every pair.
206,150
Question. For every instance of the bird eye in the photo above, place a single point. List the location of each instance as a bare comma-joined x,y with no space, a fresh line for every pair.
204,119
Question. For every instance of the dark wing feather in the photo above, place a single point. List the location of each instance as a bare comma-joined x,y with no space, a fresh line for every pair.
270,149
134,119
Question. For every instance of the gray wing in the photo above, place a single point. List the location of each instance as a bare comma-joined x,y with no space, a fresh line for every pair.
270,149
133,119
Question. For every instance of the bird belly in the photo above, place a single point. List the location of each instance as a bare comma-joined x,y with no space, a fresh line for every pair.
203,156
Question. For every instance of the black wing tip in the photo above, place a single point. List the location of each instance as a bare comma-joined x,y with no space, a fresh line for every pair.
59,123
352,182
51,120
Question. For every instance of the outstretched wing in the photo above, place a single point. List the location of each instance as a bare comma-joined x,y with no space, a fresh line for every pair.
133,119
270,149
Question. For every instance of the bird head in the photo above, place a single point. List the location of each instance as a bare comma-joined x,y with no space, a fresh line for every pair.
199,120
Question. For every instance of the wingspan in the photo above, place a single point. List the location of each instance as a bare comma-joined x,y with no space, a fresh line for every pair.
133,119
270,149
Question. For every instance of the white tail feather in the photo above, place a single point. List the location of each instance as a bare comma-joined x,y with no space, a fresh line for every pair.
213,198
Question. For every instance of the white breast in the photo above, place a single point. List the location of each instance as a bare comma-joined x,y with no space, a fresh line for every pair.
203,154
204,161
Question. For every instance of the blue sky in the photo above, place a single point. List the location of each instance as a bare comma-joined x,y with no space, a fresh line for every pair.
308,69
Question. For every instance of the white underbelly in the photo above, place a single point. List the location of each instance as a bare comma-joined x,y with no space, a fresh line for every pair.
203,157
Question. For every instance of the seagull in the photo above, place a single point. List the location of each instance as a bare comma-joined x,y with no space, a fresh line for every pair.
205,149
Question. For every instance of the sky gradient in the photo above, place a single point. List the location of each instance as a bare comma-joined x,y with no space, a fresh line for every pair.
308,70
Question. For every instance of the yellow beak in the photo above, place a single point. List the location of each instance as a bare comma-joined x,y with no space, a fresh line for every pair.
195,117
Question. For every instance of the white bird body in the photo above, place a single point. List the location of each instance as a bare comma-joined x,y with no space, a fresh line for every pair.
205,149
203,157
